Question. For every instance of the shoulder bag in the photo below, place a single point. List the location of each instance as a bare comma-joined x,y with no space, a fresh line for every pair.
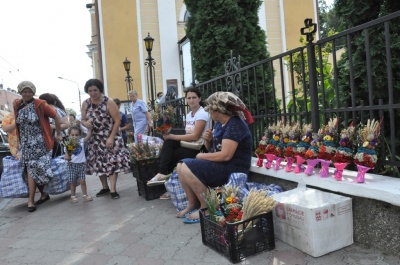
198,144
195,145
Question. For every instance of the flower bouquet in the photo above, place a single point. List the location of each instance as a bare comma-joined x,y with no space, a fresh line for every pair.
311,155
291,146
272,143
229,208
260,151
145,149
344,153
366,157
71,144
302,147
233,226
327,148
164,119
281,146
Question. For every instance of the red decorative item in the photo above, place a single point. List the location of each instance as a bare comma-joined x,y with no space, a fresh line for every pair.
338,174
299,164
260,160
361,173
311,163
324,172
278,162
270,159
289,164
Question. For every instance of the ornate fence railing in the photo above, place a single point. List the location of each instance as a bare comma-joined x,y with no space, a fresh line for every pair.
304,85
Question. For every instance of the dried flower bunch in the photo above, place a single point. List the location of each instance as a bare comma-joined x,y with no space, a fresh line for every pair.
327,148
344,153
292,140
256,203
305,140
313,150
71,144
225,206
144,150
164,119
262,145
273,142
366,154
283,139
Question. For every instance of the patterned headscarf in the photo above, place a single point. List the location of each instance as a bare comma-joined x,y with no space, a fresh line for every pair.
26,84
228,103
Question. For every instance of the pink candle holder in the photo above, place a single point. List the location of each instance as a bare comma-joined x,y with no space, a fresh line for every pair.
290,161
338,174
324,172
260,160
278,162
361,173
311,163
299,164
270,159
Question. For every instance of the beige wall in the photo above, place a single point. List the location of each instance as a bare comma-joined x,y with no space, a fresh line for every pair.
120,39
149,22
295,14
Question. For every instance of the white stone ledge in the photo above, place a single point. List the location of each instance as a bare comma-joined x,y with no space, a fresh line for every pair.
378,187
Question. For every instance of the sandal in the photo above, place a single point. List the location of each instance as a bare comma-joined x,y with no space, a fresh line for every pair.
156,180
74,199
87,198
186,214
165,196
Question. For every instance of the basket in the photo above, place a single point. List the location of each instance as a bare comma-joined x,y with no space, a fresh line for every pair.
145,169
237,242
150,193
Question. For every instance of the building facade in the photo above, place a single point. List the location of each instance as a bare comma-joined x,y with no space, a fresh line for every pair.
118,30
7,97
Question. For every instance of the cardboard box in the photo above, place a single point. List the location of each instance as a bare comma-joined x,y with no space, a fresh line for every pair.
313,221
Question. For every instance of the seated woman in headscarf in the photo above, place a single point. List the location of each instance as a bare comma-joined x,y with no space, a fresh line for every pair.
230,146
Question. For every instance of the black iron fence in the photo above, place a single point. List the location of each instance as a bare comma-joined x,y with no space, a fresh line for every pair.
332,77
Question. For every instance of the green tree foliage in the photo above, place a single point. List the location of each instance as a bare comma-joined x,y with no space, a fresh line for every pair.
328,21
216,27
357,12
302,78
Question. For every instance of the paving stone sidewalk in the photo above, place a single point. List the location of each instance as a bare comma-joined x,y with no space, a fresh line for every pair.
130,230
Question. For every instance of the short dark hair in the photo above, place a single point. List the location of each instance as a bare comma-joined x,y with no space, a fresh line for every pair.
72,115
94,82
159,94
74,127
117,101
193,90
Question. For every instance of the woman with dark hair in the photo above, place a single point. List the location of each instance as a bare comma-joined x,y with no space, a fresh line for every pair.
36,141
107,155
55,102
196,124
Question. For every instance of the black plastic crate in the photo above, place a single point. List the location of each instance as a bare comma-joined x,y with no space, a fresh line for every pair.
150,192
145,169
239,240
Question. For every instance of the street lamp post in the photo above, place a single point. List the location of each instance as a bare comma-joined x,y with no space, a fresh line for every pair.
79,92
151,84
128,78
